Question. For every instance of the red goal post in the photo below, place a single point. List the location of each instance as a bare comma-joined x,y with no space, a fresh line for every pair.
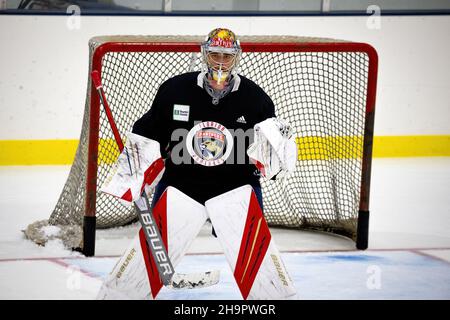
325,88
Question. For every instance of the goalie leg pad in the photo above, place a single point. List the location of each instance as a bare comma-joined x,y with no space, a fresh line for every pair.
249,248
135,276
128,279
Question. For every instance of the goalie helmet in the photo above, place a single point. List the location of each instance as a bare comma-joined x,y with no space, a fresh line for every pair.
221,52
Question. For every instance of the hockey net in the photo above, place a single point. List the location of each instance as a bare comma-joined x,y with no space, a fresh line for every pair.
324,88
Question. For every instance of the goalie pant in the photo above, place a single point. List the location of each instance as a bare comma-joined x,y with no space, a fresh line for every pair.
241,229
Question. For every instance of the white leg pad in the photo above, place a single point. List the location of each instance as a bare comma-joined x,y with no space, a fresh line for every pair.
249,248
135,276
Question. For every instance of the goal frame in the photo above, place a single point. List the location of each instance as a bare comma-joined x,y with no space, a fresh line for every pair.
140,45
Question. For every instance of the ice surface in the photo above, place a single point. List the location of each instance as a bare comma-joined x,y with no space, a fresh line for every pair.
409,242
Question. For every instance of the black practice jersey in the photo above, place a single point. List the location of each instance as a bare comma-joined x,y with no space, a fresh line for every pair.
204,145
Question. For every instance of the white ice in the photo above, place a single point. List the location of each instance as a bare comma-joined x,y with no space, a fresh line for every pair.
409,245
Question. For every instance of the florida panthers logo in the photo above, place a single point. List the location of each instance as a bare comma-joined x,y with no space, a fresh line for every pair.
209,143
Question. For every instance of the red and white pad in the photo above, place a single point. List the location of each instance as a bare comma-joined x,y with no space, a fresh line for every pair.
274,148
249,248
135,276
139,165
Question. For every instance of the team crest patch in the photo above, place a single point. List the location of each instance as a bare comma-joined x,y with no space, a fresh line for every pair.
180,112
209,143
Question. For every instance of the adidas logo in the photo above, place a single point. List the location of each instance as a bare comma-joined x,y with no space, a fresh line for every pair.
241,119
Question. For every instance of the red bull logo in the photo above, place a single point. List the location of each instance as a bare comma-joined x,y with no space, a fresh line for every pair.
222,38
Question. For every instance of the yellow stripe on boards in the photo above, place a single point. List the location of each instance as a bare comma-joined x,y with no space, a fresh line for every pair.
108,151
37,152
411,146
350,147
51,152
62,152
324,148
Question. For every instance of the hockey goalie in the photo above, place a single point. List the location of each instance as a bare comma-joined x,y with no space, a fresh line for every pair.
187,151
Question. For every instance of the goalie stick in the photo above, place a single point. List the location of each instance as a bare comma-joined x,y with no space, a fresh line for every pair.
152,234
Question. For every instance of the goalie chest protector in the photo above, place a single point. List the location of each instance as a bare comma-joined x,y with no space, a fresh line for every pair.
205,144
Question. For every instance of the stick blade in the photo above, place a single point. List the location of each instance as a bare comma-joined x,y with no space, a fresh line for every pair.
195,280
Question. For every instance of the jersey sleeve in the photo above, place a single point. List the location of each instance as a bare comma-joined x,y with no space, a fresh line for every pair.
155,123
268,108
